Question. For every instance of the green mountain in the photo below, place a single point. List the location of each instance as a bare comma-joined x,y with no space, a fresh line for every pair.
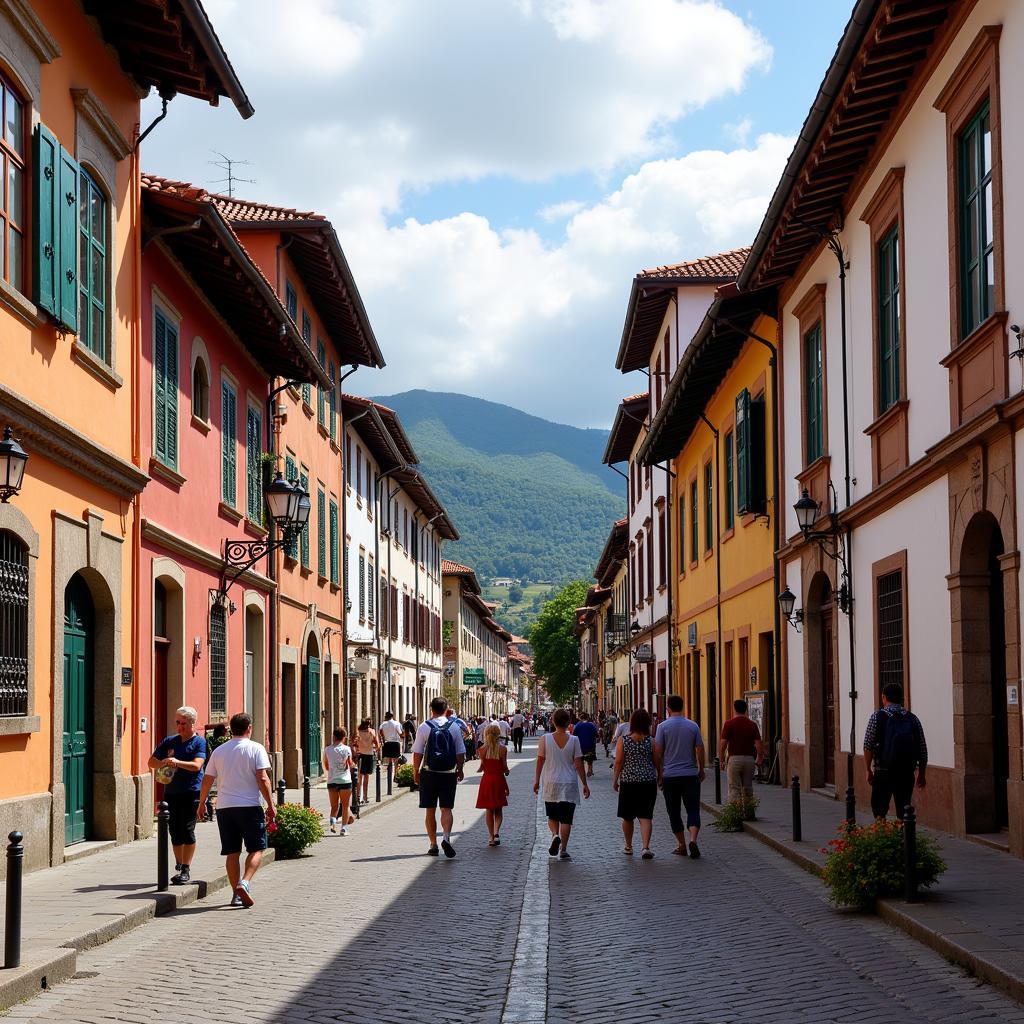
530,498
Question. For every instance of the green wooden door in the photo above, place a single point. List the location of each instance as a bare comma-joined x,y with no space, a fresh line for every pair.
313,745
78,659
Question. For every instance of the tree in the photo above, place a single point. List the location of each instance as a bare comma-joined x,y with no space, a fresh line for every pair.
515,594
556,651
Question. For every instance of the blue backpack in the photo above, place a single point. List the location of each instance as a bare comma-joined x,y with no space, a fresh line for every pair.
899,748
441,755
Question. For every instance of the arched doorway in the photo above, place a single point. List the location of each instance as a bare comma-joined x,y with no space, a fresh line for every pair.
254,680
79,701
819,626
311,733
981,735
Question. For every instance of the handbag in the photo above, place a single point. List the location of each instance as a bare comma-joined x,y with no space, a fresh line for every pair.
402,759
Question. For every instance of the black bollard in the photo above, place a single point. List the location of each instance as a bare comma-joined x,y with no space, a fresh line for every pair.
305,790
12,917
281,796
377,782
718,781
391,775
163,848
798,832
910,854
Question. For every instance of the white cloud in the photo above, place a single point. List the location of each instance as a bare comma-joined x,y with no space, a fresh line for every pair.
738,132
459,305
560,211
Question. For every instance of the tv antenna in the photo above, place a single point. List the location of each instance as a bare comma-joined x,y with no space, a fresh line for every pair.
226,164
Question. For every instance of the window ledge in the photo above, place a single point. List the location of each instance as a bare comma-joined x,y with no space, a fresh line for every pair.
729,534
21,307
307,408
306,571
203,426
165,473
20,726
255,528
88,360
230,513
322,430
335,587
335,446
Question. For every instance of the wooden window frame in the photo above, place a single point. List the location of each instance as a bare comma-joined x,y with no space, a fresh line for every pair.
20,160
87,294
693,504
708,481
809,312
729,526
978,362
896,562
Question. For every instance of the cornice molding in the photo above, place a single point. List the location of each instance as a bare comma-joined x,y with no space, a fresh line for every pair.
102,123
33,31
63,444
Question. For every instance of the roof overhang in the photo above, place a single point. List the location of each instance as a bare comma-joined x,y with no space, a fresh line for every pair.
884,46
397,441
704,365
614,552
202,242
366,420
419,490
169,45
629,420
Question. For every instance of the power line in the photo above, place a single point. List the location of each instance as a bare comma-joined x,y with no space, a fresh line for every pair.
226,164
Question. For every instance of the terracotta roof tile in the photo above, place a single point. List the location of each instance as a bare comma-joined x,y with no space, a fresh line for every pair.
722,265
249,211
453,568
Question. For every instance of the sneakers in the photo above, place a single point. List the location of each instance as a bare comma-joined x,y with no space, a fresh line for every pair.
646,855
334,825
553,848
694,851
183,877
449,850
564,856
243,894
432,852
344,830
236,901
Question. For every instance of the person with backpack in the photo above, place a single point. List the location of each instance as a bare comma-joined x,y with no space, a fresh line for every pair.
438,754
894,746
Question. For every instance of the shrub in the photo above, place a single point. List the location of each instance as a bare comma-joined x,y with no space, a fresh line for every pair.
297,828
403,777
732,815
865,863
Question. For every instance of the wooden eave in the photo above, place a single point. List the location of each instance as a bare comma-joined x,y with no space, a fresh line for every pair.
626,427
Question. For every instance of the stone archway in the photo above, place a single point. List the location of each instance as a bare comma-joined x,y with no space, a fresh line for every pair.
820,681
169,675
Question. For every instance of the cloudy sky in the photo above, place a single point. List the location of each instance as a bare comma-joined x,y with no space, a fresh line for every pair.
498,170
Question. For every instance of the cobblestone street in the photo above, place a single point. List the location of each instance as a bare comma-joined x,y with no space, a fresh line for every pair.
370,930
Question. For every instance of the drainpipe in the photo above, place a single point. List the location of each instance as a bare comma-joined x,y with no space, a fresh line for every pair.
425,526
343,427
377,497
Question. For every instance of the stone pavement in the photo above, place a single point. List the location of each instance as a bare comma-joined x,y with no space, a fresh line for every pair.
87,902
369,929
974,916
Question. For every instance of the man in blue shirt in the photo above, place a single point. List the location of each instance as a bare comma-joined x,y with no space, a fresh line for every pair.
586,732
179,762
682,772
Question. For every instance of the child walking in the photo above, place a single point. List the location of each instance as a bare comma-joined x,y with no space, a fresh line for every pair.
493,792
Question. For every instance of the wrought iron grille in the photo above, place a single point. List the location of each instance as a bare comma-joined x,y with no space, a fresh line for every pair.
890,629
13,626
218,662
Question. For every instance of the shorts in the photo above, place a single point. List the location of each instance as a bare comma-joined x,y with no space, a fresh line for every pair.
182,824
366,764
437,789
560,811
637,800
339,785
590,756
392,749
242,824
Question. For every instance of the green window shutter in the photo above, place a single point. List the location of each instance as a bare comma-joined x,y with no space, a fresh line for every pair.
709,515
167,406
694,532
362,586
291,301
730,481
321,393
67,219
307,337
334,542
291,549
253,464
888,314
976,256
228,444
813,422
333,403
159,386
681,545
46,241
742,434
304,539
371,591
321,532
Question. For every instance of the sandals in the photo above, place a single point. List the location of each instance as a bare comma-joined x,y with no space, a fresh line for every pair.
492,842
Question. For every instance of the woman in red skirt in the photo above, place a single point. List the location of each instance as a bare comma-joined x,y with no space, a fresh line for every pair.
493,793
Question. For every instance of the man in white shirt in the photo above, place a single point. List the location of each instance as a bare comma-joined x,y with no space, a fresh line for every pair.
518,731
241,769
391,735
438,754
622,729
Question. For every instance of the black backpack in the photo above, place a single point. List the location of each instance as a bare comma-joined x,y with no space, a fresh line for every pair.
898,750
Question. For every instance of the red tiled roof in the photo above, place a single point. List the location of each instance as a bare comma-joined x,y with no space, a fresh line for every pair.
626,427
724,266
248,211
651,293
450,568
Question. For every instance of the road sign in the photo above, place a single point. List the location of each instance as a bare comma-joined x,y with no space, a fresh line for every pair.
474,677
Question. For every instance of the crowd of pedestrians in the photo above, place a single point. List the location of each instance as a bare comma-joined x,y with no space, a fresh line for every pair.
648,756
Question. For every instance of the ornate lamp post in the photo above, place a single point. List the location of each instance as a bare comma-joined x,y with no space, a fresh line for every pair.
12,465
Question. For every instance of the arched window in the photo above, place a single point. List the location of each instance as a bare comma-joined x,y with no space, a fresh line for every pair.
92,267
12,194
201,390
13,625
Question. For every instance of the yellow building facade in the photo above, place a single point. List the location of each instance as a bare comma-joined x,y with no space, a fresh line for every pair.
715,429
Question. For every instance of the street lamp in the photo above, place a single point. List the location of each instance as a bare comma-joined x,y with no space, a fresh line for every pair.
807,510
787,602
635,628
282,501
12,465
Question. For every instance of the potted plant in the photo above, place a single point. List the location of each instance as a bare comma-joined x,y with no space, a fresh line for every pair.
297,828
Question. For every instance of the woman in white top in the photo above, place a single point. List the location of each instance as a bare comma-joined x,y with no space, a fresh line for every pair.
338,764
560,759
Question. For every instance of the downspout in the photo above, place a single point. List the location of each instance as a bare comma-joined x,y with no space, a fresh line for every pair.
629,585
718,575
377,492
775,719
347,689
135,752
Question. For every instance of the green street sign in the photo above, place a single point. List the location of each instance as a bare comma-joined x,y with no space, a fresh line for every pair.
474,677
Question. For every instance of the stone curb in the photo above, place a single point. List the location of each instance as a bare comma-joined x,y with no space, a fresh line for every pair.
897,914
40,969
